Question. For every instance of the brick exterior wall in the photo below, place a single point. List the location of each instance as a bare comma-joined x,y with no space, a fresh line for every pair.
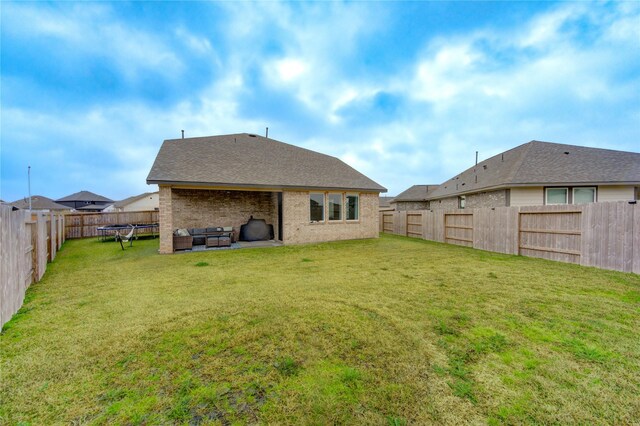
450,203
298,230
195,208
411,205
487,199
166,220
473,201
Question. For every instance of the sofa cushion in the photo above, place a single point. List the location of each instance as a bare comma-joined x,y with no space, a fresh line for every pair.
182,232
198,231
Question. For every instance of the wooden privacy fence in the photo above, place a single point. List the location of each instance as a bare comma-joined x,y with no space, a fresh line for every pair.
27,242
604,235
81,225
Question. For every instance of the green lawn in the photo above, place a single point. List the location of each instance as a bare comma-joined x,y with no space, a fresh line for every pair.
388,331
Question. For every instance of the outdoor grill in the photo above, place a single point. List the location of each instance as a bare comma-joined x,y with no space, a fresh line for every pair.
256,230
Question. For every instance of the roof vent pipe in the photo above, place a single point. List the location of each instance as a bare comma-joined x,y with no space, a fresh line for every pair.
476,158
267,133
182,133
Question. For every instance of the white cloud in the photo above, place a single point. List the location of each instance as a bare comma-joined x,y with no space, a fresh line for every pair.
200,45
285,71
92,30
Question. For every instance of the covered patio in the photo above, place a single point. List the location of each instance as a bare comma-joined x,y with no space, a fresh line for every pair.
198,208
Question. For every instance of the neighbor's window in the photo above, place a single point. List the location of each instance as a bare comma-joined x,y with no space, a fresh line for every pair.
352,207
462,201
584,195
557,196
316,207
335,206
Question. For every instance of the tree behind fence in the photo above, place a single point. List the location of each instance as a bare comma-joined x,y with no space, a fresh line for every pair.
604,235
27,242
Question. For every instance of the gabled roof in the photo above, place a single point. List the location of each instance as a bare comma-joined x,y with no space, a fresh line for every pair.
251,161
132,199
85,196
545,163
38,202
415,193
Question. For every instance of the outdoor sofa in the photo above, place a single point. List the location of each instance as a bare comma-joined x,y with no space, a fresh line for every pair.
184,239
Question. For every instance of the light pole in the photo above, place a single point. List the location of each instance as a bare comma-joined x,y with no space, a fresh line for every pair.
29,180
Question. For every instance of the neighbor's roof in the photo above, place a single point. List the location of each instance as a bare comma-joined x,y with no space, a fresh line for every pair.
133,199
251,161
384,201
415,193
85,196
545,163
38,202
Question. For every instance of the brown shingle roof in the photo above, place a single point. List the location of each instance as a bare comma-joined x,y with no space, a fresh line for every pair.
545,163
415,193
38,202
85,196
243,160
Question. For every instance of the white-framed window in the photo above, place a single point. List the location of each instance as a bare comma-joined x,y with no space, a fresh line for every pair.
316,207
584,195
556,196
352,206
340,206
335,206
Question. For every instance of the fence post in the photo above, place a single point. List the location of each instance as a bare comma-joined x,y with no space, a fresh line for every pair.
635,229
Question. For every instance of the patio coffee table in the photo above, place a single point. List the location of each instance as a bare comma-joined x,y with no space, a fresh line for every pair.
222,240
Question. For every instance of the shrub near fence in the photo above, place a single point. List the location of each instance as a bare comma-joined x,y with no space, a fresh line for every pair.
81,225
604,235
27,242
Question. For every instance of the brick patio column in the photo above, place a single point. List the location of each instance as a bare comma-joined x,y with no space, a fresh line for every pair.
166,220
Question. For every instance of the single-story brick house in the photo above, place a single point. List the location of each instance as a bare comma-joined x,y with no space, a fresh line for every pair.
40,203
542,173
384,204
413,198
85,201
137,203
224,180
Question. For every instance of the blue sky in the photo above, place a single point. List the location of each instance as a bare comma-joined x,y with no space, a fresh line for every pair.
404,92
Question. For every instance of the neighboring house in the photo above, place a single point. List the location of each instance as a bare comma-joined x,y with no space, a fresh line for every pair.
543,173
224,180
40,203
137,203
384,203
414,198
85,201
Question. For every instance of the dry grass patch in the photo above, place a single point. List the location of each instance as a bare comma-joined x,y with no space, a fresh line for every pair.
389,331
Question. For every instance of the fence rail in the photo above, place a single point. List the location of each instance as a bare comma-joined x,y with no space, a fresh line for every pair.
27,242
604,235
82,225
